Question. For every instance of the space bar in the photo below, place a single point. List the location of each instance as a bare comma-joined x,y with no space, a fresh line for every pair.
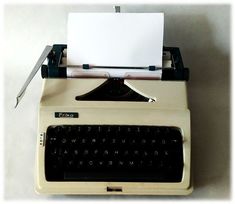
117,176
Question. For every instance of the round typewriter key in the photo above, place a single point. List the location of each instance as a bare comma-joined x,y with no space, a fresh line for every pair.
156,153
60,151
161,164
89,128
144,153
143,141
153,142
76,152
65,152
101,163
120,163
174,141
99,129
148,130
166,153
123,141
170,167
119,129
113,141
78,129
69,129
110,163
105,153
129,129
166,130
140,164
73,140
64,140
116,153
126,153
80,164
54,165
60,161
132,141
83,141
70,164
136,153
52,140
163,141
54,151
91,163
96,152
150,163
85,152
104,140
108,130
131,163
58,129
93,141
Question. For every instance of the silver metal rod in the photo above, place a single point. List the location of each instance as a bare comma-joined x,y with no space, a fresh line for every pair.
105,67
37,66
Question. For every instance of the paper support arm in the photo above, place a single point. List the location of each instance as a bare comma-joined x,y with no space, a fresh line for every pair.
37,66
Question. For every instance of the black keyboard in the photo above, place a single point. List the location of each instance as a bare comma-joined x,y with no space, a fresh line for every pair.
113,153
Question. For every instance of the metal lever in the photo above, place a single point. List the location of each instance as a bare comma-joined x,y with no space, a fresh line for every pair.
37,66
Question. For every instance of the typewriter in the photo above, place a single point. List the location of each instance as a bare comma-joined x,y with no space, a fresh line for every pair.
113,136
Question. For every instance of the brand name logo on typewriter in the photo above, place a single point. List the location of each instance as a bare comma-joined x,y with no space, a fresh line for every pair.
66,115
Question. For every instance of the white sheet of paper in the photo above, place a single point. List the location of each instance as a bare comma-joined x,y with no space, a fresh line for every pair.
115,39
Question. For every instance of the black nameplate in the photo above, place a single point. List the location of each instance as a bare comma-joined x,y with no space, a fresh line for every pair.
66,115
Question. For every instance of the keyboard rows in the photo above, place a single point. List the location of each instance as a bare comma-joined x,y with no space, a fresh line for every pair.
150,152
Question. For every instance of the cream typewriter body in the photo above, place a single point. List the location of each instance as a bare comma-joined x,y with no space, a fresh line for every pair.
169,109
112,136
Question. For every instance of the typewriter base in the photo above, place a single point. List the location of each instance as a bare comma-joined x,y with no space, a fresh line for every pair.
170,109
109,188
